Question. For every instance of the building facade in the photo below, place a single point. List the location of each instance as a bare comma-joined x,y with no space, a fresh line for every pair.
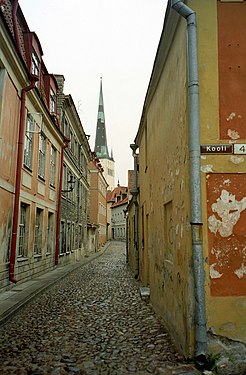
117,201
98,204
31,145
187,222
75,201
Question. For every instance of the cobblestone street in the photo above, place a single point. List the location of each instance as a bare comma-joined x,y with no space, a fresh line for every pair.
91,322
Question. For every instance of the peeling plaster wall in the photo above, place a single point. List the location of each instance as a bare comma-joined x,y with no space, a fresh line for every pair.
226,208
222,94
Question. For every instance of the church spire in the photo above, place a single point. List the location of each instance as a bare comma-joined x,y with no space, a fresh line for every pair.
101,147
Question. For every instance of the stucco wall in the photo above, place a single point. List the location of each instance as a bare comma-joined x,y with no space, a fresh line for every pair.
223,176
165,245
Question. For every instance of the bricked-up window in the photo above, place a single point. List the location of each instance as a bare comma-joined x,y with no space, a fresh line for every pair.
38,232
42,156
28,142
35,64
168,230
52,101
50,233
52,165
23,230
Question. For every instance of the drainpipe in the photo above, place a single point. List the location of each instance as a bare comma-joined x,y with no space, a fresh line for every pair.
195,182
58,218
134,192
34,79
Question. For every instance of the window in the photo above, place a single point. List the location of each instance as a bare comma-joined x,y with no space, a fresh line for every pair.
41,156
80,236
52,165
35,64
52,101
72,238
71,144
65,127
110,172
28,142
62,238
64,178
50,233
76,149
68,237
38,232
23,231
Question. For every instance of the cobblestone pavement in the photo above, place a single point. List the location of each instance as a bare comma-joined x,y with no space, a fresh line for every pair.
91,322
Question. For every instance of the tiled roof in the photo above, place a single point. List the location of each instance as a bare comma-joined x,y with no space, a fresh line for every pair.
120,203
119,190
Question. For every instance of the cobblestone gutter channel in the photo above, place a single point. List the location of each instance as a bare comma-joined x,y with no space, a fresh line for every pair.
93,321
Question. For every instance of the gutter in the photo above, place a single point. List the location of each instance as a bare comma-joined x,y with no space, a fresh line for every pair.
195,182
134,192
58,217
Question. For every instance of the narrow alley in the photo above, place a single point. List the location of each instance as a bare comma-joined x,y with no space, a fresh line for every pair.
93,321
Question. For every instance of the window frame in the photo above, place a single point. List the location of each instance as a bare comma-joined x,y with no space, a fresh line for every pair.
52,165
35,63
29,141
42,155
38,233
23,231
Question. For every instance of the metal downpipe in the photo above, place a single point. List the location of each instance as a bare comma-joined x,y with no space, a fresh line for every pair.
195,182
134,192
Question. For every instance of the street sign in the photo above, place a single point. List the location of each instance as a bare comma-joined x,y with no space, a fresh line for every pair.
239,148
217,149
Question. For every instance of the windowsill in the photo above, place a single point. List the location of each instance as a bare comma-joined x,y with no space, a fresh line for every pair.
67,252
52,186
27,169
22,259
37,256
48,254
41,178
62,254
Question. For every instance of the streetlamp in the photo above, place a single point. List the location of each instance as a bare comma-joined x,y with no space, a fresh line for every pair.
70,184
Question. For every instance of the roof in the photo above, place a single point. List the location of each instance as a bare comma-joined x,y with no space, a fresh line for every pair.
101,146
119,190
120,203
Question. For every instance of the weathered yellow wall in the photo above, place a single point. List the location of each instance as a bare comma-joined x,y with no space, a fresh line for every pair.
226,315
131,242
165,243
164,208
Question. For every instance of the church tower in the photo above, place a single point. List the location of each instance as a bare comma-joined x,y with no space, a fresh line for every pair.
101,146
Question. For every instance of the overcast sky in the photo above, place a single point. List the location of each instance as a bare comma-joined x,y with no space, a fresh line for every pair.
115,39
